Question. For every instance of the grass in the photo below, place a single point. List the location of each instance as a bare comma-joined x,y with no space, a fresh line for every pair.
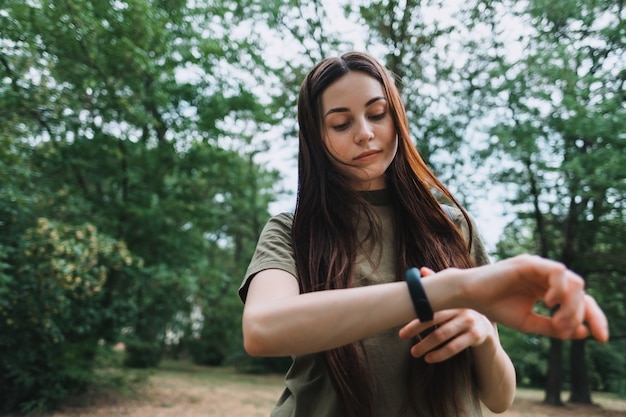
181,389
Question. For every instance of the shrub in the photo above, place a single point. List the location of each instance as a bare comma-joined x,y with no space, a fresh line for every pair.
57,306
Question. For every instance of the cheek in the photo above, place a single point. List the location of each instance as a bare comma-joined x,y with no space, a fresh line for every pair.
336,147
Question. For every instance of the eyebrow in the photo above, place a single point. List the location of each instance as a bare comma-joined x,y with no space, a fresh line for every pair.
345,109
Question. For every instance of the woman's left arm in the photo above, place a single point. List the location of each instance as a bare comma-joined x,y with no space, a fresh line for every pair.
495,373
494,369
457,330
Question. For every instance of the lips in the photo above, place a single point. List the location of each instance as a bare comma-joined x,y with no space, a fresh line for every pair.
366,154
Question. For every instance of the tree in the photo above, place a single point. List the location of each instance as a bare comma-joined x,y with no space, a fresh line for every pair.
130,123
560,137
552,117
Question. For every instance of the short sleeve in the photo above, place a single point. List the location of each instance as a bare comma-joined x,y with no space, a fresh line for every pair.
274,250
478,252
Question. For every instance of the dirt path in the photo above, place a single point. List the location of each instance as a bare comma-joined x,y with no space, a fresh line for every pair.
218,392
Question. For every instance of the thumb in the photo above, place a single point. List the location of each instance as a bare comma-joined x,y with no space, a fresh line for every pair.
426,272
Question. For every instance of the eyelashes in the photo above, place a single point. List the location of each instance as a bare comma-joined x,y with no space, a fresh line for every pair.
344,126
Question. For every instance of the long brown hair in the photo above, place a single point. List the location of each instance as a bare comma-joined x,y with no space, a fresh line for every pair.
325,239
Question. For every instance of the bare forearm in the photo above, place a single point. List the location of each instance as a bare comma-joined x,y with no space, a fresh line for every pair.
324,320
279,321
495,374
318,321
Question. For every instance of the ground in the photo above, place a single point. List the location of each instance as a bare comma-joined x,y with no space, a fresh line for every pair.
176,390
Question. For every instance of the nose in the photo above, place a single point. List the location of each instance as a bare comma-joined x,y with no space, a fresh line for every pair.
364,132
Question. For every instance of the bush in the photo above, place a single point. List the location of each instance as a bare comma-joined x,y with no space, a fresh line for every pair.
142,354
55,310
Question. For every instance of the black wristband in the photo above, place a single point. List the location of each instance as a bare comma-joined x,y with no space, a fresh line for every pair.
420,301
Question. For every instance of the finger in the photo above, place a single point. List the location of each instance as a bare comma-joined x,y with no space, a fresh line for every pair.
580,332
426,272
557,279
441,335
410,329
596,319
426,345
419,331
430,342
538,324
571,312
449,349
415,327
567,319
549,326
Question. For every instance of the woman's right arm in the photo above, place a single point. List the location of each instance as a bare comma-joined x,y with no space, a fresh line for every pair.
279,321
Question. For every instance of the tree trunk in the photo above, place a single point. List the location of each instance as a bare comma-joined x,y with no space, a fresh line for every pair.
555,373
579,378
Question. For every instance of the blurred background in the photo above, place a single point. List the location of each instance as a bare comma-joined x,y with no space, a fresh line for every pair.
144,143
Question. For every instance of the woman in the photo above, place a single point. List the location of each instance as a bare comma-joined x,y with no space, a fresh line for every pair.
326,284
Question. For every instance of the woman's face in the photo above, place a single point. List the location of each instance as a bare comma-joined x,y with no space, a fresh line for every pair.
358,129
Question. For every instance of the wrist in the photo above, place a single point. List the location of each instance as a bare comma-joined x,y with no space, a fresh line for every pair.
421,304
490,344
446,290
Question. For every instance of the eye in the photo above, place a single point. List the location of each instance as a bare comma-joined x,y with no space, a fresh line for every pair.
341,127
379,116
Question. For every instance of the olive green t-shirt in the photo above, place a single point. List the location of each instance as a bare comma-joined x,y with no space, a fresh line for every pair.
309,391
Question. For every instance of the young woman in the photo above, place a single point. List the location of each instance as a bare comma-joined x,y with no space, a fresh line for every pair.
326,285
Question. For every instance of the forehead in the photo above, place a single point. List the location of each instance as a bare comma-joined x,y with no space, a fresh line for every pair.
352,91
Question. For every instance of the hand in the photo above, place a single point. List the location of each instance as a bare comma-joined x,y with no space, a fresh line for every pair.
450,332
507,291
456,330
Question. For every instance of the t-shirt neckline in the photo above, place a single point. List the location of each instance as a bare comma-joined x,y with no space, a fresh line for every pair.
380,197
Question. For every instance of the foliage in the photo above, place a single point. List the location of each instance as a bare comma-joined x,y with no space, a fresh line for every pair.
541,111
50,332
131,133
415,40
528,356
559,140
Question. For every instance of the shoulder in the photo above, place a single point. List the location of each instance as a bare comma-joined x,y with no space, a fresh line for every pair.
282,219
456,215
274,250
478,251
279,224
276,233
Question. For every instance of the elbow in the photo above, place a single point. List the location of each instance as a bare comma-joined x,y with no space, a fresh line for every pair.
502,403
255,335
252,345
251,348
499,401
500,408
